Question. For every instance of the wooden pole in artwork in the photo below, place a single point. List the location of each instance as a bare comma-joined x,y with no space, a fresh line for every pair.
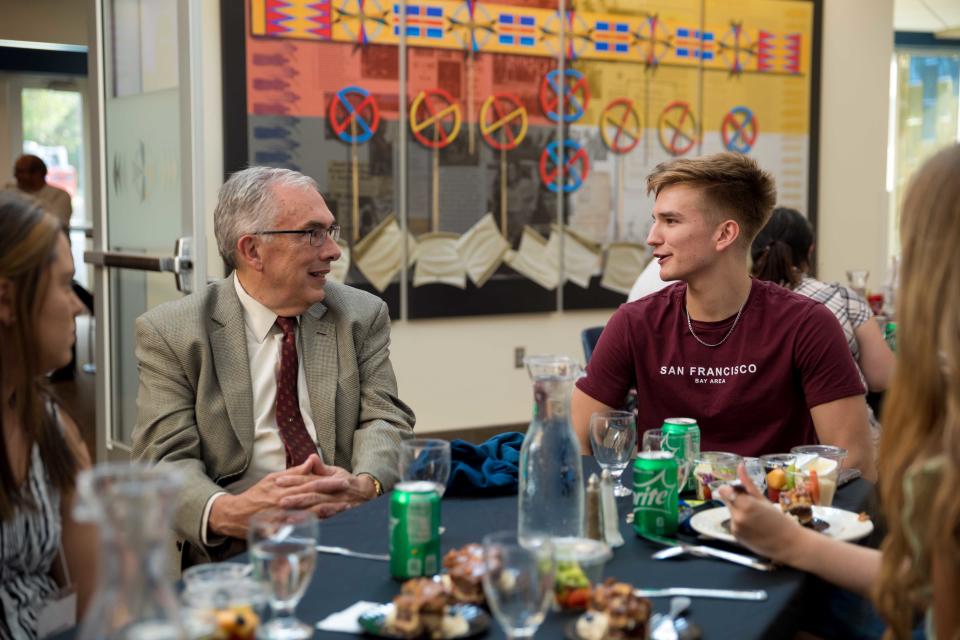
618,216
355,180
471,120
503,192
435,226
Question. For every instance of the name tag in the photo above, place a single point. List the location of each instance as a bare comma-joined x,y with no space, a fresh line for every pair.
58,614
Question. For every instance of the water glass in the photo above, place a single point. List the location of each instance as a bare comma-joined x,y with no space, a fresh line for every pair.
283,551
756,473
425,460
613,438
679,444
518,581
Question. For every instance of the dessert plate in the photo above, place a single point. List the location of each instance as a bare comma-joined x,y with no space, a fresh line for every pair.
374,621
844,525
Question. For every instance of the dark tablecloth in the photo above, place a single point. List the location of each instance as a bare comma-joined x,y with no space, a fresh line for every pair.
339,581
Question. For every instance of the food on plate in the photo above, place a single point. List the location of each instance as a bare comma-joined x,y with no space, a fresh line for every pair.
571,587
798,502
863,516
465,574
418,610
614,613
236,623
425,607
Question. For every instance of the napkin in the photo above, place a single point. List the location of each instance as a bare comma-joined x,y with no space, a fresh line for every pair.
346,621
488,469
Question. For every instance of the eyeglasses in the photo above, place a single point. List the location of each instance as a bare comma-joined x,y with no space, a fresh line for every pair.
317,235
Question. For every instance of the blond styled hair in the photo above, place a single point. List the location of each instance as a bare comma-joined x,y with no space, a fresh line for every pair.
921,417
731,185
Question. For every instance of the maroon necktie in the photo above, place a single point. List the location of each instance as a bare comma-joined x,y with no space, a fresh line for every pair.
293,432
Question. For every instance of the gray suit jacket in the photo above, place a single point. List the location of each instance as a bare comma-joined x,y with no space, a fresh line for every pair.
195,404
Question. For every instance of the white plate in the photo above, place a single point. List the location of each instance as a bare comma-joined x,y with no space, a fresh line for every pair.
844,525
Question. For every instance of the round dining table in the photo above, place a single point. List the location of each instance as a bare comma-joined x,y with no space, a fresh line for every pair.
340,581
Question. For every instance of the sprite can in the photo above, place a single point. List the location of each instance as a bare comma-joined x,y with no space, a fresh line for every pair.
655,493
414,530
681,426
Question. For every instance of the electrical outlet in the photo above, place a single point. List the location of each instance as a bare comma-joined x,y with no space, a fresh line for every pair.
519,353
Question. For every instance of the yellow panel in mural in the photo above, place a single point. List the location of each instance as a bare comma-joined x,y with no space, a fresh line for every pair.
762,37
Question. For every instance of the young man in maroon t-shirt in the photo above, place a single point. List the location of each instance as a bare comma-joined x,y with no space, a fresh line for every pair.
761,369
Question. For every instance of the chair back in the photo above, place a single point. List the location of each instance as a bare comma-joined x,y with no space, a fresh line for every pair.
589,337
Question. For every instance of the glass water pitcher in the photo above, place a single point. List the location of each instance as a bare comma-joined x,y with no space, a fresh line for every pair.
132,504
551,471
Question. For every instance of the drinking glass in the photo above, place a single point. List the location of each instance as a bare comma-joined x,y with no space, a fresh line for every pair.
518,581
679,444
425,460
857,279
283,551
776,482
756,473
713,469
613,437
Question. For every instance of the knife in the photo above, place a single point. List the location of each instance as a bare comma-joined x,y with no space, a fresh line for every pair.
705,551
722,594
343,551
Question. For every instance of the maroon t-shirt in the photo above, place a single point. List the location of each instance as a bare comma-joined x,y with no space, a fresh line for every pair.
751,395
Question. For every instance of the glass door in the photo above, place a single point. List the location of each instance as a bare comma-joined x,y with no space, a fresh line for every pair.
147,213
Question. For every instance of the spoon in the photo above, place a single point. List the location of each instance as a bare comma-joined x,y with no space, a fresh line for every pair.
665,628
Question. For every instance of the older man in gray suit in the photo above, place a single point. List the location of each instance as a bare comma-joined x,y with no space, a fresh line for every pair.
272,387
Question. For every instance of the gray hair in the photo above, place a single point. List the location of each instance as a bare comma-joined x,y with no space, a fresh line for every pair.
246,203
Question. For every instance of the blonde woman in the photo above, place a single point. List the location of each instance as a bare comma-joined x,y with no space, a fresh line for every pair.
40,449
917,570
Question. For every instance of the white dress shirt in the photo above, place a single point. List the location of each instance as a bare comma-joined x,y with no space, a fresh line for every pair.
263,355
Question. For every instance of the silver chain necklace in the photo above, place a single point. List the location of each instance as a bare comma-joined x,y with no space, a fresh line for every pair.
724,339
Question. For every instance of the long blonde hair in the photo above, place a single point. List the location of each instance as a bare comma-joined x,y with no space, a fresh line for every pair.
922,413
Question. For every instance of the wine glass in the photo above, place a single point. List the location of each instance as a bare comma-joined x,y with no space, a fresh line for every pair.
679,444
283,552
425,460
518,581
613,437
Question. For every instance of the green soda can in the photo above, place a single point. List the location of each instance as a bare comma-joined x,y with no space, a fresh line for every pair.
656,498
414,530
681,426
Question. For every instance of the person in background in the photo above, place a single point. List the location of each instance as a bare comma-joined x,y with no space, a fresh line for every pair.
761,368
781,253
30,173
41,447
917,569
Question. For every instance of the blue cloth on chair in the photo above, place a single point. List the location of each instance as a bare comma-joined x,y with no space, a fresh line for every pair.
489,469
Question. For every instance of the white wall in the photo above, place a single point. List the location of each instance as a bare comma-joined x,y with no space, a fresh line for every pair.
59,21
460,373
854,205
7,152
